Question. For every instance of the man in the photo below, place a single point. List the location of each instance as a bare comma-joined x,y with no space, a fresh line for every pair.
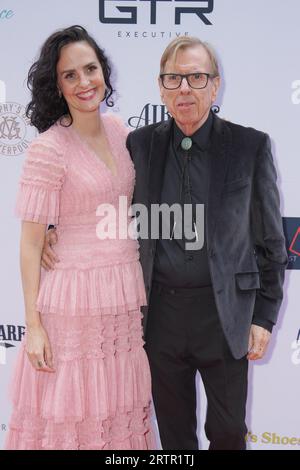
210,309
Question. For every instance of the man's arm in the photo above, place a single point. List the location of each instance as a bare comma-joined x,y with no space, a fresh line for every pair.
268,238
270,250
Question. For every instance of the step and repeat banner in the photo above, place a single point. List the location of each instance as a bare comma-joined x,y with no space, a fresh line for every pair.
258,45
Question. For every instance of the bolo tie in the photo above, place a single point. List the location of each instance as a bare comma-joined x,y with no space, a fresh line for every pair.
186,145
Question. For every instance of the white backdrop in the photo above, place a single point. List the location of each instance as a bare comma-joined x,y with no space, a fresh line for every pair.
258,46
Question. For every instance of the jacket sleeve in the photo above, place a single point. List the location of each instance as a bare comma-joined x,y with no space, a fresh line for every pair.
128,144
268,238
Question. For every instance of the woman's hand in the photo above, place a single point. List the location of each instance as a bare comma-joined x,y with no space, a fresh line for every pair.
38,348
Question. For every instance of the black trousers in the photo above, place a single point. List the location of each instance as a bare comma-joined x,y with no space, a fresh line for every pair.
184,336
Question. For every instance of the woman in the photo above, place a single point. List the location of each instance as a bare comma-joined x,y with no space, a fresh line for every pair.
82,379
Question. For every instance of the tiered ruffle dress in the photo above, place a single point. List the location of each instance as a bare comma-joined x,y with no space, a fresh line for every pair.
99,395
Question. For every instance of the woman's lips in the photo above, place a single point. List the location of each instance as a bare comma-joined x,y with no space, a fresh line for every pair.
87,95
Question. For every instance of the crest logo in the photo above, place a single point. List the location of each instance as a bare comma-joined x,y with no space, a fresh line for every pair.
15,130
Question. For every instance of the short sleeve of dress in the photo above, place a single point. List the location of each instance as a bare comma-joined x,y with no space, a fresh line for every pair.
41,181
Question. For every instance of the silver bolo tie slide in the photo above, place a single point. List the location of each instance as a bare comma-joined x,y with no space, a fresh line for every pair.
186,143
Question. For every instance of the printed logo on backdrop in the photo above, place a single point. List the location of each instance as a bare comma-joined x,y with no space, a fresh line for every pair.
154,13
153,113
10,335
6,14
150,114
272,439
296,92
291,227
16,132
296,350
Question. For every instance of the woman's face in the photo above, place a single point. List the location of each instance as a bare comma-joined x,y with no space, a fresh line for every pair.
80,78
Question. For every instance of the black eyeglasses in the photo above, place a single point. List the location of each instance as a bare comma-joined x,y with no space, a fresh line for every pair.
172,81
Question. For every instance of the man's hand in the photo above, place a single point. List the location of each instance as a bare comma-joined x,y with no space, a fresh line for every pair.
258,342
49,257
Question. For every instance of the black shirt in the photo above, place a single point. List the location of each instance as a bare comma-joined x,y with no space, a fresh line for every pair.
186,181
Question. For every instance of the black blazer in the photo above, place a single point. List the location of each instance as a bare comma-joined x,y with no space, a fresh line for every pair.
246,246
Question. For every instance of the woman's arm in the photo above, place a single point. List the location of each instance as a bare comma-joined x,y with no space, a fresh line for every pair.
37,343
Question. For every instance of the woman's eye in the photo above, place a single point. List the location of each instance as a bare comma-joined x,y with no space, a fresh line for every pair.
69,76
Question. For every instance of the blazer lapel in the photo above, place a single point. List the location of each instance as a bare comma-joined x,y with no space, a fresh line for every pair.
219,158
157,161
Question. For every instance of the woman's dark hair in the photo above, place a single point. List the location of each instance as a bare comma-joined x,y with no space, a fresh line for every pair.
46,105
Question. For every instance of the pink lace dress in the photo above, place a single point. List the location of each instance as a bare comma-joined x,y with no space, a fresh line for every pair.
99,395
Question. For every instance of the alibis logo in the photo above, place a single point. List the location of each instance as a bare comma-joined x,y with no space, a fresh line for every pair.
9,334
153,113
291,227
200,8
150,114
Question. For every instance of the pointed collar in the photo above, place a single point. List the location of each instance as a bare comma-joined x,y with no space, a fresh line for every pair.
201,137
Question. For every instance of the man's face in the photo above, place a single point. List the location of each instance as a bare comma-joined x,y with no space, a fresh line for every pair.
188,106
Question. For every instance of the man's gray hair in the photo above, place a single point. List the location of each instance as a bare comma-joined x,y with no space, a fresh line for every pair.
184,42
